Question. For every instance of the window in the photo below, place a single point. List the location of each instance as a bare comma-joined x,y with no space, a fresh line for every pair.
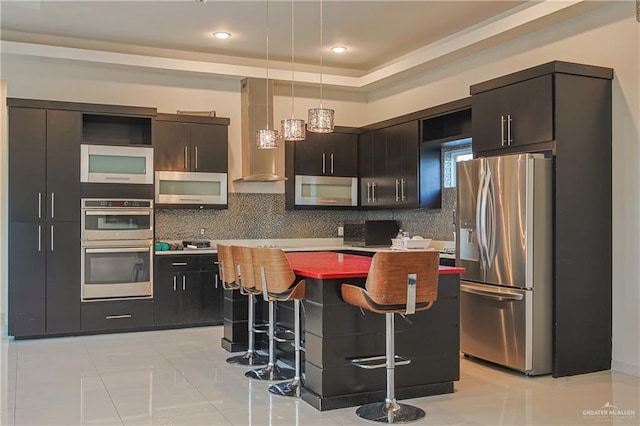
451,156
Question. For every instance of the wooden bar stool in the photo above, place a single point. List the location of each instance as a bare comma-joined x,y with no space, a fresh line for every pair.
235,262
398,283
278,284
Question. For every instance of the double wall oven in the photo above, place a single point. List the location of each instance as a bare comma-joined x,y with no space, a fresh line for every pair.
116,249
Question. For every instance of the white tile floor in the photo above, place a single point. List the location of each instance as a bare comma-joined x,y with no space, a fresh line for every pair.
179,377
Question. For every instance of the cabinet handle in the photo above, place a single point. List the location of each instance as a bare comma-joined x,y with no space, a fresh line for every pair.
179,264
368,192
117,178
51,237
196,157
184,283
216,280
53,205
331,163
397,192
39,237
509,120
174,283
323,163
39,205
403,194
373,192
118,316
186,153
502,130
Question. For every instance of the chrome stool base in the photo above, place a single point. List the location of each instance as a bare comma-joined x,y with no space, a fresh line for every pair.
384,412
270,373
291,388
251,358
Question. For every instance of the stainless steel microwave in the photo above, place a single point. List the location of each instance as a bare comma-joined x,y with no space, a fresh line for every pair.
326,191
116,164
195,188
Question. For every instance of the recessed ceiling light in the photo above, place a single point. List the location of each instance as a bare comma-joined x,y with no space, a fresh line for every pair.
221,35
338,49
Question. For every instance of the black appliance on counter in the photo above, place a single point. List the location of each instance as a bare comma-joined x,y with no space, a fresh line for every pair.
370,233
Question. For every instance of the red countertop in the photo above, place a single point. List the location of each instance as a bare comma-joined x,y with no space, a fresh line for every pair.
329,265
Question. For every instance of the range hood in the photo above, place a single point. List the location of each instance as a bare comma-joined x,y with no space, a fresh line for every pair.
258,165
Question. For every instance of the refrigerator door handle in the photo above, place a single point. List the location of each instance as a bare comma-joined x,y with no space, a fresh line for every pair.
490,232
494,295
478,220
481,220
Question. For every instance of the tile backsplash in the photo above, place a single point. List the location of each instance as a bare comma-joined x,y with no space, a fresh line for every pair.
256,216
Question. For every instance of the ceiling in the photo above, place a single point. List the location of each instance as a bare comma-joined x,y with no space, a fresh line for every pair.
384,38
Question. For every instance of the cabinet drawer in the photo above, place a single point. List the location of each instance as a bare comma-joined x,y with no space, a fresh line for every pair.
116,315
177,263
208,263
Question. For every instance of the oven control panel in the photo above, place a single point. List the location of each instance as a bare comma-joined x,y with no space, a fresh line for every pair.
116,203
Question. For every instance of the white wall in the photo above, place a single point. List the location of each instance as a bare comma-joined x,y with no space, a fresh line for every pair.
609,36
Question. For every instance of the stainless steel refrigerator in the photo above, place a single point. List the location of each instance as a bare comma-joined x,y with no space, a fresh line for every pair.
504,229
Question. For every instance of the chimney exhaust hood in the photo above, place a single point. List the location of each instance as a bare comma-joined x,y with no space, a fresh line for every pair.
258,165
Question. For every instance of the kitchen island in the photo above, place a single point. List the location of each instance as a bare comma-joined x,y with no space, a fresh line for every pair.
335,333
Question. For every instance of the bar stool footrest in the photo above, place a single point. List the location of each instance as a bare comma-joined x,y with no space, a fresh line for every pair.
261,328
282,331
373,362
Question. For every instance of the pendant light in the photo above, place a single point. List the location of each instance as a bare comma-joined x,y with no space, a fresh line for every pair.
292,129
321,119
267,138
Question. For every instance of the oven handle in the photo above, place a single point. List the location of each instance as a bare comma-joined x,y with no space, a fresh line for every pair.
118,213
118,250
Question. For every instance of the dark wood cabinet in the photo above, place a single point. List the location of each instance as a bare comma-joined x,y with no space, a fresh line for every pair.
27,279
190,146
63,277
44,214
327,154
63,165
44,167
514,115
184,293
564,110
27,164
135,314
389,166
212,294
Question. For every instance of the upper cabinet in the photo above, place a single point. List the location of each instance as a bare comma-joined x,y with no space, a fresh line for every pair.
327,154
190,143
44,167
531,109
118,127
389,166
513,115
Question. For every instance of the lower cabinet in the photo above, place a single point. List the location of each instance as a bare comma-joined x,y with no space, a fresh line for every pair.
44,278
117,315
187,290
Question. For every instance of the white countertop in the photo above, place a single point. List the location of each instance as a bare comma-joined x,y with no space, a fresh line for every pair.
298,244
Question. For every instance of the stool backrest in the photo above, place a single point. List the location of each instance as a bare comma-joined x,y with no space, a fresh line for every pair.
277,269
387,280
244,264
227,267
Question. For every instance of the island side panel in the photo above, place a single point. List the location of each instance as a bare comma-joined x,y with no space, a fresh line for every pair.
336,332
